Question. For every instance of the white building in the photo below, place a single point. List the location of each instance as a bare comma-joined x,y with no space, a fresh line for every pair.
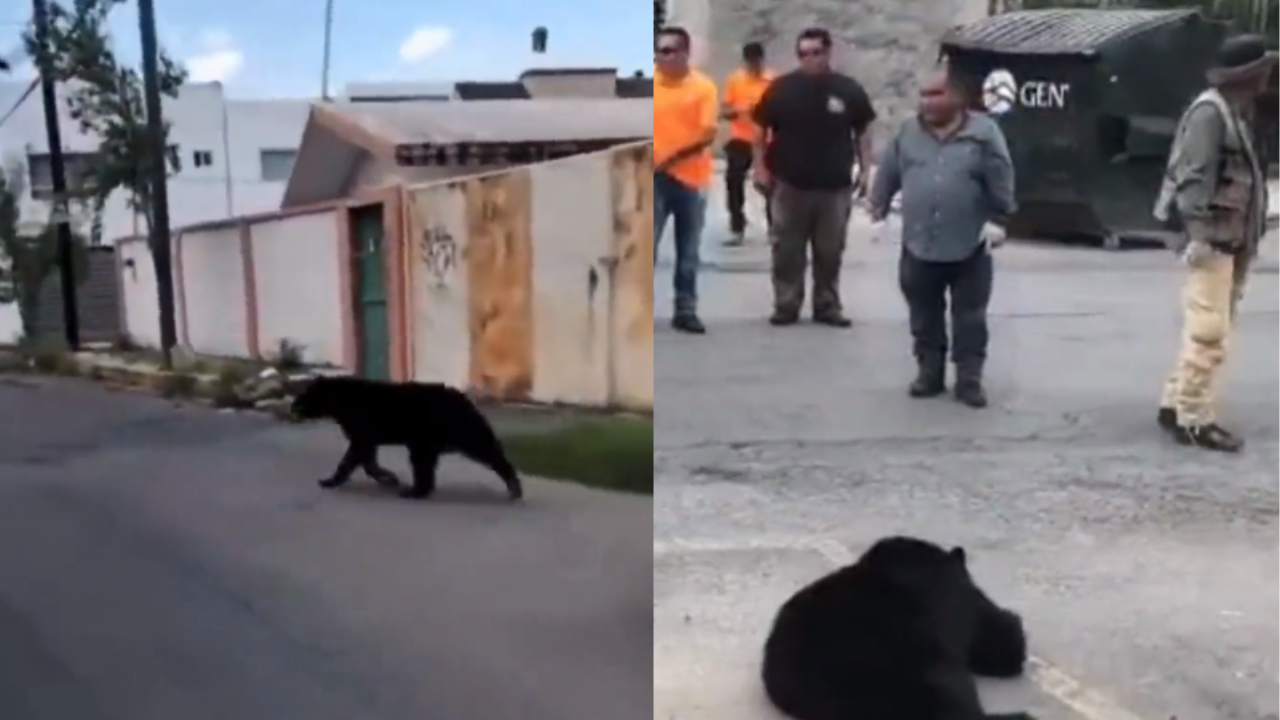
236,155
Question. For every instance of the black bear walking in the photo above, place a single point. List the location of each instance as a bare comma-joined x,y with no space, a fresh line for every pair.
429,419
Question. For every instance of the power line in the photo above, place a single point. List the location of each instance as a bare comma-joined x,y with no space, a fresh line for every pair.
21,99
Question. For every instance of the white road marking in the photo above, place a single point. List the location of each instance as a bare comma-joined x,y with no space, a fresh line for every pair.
1087,702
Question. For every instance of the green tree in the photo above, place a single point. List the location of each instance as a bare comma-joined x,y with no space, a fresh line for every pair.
29,255
106,98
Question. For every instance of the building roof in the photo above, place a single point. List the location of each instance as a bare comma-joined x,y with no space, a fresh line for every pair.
391,91
635,87
339,135
1059,32
624,87
497,121
492,91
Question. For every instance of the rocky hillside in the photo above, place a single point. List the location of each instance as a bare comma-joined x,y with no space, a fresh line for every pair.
884,43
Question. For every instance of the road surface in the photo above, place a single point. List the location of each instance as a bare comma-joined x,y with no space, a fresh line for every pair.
1147,573
160,563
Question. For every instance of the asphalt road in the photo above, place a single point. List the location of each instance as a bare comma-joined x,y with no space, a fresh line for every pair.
160,563
1147,572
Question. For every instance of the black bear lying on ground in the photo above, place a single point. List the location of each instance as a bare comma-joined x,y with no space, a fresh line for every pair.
429,419
898,635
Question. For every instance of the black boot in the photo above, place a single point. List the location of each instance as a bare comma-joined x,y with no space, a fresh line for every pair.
968,389
1209,436
688,323
931,379
1167,419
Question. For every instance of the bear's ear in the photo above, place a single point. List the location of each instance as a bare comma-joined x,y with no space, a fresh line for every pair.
957,554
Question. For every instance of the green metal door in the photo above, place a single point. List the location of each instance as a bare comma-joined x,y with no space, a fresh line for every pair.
371,293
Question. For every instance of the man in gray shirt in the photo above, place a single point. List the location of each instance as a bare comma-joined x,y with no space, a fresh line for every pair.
956,178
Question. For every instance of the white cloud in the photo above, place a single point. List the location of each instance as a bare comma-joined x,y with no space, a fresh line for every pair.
425,42
218,58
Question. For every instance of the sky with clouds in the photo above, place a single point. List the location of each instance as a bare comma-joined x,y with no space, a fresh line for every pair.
274,48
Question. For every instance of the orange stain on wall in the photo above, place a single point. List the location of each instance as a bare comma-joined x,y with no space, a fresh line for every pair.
499,260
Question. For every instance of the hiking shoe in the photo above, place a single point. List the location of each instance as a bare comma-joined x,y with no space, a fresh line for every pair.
782,318
971,394
930,382
689,324
832,319
1208,437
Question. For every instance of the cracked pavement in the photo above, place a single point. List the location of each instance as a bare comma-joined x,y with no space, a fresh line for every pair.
160,562
1147,573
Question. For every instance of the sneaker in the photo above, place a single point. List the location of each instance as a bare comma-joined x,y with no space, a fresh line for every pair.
735,240
688,323
1208,437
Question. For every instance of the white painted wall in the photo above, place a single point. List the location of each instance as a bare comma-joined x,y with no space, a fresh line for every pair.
213,292
10,323
138,291
571,340
571,224
203,119
296,263
439,307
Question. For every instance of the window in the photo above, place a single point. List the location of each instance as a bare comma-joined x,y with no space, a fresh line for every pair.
277,165
77,167
202,158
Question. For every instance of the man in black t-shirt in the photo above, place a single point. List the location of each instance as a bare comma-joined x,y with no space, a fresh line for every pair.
816,122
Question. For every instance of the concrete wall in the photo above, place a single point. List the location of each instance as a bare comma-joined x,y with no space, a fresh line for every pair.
297,268
886,44
203,119
527,284
243,286
536,283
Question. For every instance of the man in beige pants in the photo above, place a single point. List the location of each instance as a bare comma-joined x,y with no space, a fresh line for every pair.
1215,184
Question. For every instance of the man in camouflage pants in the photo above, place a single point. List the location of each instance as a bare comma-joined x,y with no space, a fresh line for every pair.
1215,184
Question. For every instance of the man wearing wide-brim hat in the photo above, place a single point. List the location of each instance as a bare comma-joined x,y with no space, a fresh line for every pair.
1215,185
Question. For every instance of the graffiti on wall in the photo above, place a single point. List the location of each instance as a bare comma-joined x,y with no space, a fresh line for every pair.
439,253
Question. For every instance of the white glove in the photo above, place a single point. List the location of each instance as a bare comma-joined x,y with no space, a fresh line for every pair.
992,235
1197,253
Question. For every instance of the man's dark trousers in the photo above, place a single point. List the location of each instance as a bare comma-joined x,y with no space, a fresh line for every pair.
686,208
738,159
925,285
808,222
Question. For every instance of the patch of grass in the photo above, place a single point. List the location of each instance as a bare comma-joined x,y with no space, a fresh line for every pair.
50,357
176,385
223,391
610,453
289,356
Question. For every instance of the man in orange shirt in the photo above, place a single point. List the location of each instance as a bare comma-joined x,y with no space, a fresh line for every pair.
685,116
742,92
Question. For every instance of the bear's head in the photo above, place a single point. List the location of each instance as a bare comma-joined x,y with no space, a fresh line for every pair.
316,400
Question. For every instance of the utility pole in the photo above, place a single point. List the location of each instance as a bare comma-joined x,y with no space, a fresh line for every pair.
161,247
328,49
61,214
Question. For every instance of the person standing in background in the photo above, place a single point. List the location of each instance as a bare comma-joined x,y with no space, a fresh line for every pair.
742,91
956,177
686,115
1216,185
817,122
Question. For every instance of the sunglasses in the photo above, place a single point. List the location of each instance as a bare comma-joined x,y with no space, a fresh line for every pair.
668,50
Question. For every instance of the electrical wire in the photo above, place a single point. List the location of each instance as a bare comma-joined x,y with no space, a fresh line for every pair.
21,99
